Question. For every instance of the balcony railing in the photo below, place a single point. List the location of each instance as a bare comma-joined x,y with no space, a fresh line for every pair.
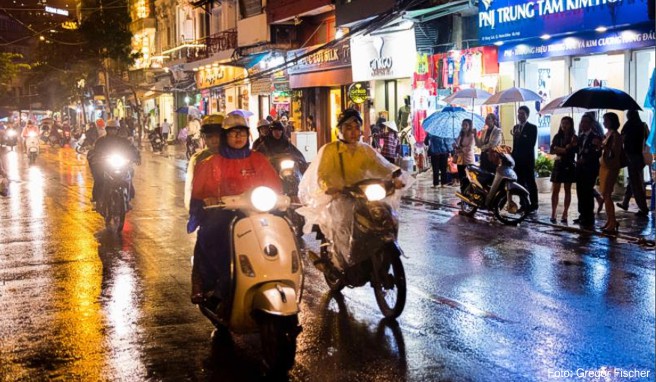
213,44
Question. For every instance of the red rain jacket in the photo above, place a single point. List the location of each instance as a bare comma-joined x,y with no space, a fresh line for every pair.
218,176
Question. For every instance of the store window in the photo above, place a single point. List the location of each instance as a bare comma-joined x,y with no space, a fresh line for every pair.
645,61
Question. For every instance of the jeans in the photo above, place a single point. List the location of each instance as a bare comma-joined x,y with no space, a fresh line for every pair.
439,162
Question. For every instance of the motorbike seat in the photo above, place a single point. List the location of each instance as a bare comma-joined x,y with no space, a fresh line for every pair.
485,177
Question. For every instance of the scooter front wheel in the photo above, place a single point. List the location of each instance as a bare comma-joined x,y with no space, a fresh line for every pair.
390,286
278,334
509,211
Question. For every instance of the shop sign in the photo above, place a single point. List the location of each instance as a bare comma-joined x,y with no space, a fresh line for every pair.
214,76
387,56
338,56
358,93
280,98
588,43
500,20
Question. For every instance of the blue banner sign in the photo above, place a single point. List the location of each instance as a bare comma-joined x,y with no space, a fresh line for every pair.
505,20
581,44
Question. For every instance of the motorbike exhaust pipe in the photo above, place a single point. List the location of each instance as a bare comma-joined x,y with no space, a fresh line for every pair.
465,199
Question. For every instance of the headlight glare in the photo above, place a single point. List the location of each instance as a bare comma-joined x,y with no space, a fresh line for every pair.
286,164
263,199
117,161
375,192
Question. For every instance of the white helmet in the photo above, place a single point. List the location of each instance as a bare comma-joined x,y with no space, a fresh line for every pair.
233,120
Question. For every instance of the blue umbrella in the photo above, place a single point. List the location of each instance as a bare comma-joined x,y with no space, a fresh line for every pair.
446,123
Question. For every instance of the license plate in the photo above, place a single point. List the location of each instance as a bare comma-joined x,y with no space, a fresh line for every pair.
33,149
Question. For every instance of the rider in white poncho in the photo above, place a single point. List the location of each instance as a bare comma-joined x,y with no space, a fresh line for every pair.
339,164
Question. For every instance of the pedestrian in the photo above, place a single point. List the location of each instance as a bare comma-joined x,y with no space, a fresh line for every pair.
587,170
611,162
4,178
310,125
439,149
390,149
563,146
464,151
166,129
490,137
634,135
599,130
525,135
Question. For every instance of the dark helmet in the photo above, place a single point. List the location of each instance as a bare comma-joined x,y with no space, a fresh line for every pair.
277,125
348,114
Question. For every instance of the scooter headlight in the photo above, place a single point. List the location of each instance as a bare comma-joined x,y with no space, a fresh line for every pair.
286,164
11,133
375,192
263,199
31,134
117,161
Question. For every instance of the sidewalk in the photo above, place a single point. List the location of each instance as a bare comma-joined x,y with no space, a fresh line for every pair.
630,224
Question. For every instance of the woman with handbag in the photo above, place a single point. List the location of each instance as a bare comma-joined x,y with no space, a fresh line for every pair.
489,138
464,151
564,146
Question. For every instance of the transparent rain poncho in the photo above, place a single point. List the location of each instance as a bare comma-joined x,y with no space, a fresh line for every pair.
334,213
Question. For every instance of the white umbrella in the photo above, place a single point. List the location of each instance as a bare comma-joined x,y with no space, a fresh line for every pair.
465,96
556,107
513,95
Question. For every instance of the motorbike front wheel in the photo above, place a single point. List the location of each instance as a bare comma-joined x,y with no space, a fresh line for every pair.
467,209
509,211
390,287
278,335
115,213
32,157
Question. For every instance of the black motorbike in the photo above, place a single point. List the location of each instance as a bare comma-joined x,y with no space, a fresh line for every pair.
10,138
156,141
375,255
192,145
113,203
510,201
291,172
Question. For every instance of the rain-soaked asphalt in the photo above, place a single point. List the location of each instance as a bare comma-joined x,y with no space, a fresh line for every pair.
485,302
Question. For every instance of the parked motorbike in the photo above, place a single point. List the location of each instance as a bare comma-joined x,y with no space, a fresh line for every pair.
508,197
114,201
156,141
267,279
32,146
10,138
375,255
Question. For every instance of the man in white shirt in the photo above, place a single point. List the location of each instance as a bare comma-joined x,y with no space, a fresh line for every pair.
166,129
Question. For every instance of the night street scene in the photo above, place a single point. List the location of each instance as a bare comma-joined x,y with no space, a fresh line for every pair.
334,191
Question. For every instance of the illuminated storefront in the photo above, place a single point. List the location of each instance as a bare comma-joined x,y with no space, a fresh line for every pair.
569,45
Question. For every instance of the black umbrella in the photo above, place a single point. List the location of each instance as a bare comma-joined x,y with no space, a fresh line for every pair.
601,98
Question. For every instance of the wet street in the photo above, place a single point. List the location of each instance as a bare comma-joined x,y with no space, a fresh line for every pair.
485,302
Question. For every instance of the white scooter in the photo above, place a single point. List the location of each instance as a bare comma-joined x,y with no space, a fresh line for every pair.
267,277
32,145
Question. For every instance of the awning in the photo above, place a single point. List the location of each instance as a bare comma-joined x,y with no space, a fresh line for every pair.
248,62
328,78
432,13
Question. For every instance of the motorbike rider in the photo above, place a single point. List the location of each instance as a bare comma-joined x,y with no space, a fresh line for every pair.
263,128
30,127
234,170
342,163
106,145
210,130
276,143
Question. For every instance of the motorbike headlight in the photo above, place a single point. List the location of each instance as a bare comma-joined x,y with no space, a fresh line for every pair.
286,164
117,161
31,134
263,199
375,192
11,133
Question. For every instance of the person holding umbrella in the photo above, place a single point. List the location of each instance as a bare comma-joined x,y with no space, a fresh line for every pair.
490,138
439,149
587,169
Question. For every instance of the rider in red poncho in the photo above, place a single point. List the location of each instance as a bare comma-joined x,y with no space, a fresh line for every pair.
234,170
